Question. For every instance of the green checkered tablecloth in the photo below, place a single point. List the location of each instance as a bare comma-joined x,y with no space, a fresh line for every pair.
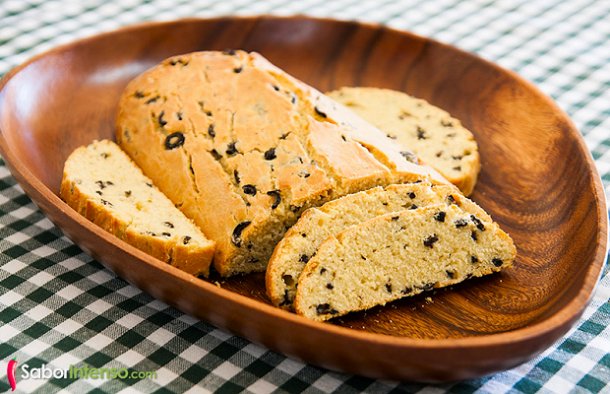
59,307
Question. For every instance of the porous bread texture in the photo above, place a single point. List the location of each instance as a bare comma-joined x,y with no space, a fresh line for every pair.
243,148
431,133
316,224
101,183
399,254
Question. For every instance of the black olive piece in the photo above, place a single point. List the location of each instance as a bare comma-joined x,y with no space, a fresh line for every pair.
497,262
179,115
421,133
303,235
100,184
325,309
249,189
457,168
440,216
109,183
211,131
236,176
186,239
293,100
166,234
283,136
430,240
127,193
105,155
174,140
277,198
99,192
474,236
460,223
162,122
152,100
323,270
413,206
108,203
149,184
320,113
394,218
474,259
330,286
237,70
411,195
477,222
343,138
138,94
446,123
304,258
215,154
236,236
410,157
276,88
169,224
450,274
388,287
270,154
231,149
391,136
179,61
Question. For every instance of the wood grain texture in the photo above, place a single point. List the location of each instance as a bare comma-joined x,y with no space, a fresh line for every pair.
538,181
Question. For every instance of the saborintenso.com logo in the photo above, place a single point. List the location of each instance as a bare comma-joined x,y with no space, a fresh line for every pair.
72,372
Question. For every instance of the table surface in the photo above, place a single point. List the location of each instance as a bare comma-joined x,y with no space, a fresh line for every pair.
59,307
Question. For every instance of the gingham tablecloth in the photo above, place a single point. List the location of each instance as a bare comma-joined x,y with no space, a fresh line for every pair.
60,307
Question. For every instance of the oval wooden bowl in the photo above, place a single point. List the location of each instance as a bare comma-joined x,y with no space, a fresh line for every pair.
538,181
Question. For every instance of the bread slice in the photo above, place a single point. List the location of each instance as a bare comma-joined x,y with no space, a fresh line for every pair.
105,186
316,224
437,138
397,255
243,149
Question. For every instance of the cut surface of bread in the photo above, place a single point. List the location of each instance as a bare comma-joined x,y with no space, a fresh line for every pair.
243,148
316,224
430,132
399,254
102,183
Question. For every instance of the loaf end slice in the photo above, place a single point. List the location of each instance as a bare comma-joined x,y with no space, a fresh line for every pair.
105,186
436,137
398,255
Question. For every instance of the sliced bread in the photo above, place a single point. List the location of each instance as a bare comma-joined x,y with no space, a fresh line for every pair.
105,186
316,224
438,139
397,255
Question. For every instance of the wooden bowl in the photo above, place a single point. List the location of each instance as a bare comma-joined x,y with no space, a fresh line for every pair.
538,181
